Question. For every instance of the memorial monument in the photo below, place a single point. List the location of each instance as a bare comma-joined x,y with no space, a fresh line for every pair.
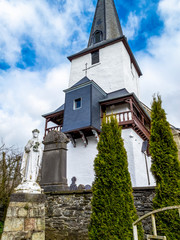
25,218
54,162
30,166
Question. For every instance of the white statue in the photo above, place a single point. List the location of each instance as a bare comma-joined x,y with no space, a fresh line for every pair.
30,166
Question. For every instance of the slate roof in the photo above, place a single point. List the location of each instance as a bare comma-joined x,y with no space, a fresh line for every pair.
123,93
106,20
116,94
59,109
83,80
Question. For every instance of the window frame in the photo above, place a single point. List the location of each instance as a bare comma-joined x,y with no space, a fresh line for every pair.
97,51
75,102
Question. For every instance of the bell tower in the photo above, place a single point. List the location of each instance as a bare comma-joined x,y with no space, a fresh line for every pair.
108,57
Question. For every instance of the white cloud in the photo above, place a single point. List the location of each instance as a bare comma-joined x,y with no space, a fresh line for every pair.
48,28
28,95
160,64
25,94
132,26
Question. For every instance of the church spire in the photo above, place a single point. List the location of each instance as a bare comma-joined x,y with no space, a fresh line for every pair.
106,25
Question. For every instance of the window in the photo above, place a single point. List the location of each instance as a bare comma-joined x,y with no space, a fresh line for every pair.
77,103
97,37
95,57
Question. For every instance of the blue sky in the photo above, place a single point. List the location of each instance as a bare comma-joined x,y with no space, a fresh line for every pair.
37,36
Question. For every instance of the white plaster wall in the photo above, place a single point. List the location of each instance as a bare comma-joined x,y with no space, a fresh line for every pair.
114,71
80,160
113,109
136,159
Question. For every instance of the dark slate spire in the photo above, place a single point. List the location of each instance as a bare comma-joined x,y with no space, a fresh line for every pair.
106,25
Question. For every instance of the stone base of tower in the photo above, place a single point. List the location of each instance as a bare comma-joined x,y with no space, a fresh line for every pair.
25,217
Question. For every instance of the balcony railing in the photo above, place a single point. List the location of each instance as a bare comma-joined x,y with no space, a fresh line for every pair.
130,118
55,128
121,117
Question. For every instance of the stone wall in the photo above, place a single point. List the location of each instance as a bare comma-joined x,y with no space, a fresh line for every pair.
68,213
25,218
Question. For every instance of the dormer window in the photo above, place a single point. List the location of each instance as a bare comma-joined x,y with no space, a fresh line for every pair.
77,103
98,37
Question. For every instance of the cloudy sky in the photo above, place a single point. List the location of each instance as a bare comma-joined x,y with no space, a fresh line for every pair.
36,36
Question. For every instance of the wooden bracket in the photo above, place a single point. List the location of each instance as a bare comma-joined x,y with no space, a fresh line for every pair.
85,141
73,141
95,134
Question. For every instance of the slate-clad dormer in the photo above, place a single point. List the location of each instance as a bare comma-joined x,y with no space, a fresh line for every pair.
82,109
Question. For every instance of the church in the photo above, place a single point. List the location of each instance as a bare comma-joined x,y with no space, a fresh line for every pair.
104,80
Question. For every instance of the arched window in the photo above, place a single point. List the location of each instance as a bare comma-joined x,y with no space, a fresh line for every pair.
98,36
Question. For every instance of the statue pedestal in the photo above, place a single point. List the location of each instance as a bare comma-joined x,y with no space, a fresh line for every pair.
25,218
29,187
53,172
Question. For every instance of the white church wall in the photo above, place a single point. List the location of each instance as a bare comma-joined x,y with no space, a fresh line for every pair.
113,72
80,160
113,109
136,159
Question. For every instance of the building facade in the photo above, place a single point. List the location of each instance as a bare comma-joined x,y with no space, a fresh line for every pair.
104,80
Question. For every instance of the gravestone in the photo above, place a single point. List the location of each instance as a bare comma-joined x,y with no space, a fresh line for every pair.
73,185
53,172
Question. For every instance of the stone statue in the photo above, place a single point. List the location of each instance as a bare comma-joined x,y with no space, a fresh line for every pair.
30,166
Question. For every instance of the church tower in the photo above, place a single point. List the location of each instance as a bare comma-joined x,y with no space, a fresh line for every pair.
104,79
108,59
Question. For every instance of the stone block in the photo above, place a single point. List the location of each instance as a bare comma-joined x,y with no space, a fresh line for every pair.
29,224
22,212
19,204
40,224
38,236
14,224
12,212
7,236
34,212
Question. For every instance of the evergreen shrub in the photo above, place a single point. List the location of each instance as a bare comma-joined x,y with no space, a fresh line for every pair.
113,210
166,170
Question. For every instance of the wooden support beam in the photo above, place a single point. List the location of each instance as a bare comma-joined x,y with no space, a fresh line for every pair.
73,141
85,141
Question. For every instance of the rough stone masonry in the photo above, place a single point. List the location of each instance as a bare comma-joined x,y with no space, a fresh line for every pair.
68,213
25,219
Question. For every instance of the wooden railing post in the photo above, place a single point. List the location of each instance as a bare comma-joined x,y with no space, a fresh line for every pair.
135,232
154,229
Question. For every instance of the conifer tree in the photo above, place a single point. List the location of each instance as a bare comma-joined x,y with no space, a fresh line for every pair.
166,170
113,210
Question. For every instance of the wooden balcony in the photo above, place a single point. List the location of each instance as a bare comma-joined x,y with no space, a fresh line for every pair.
130,119
55,128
